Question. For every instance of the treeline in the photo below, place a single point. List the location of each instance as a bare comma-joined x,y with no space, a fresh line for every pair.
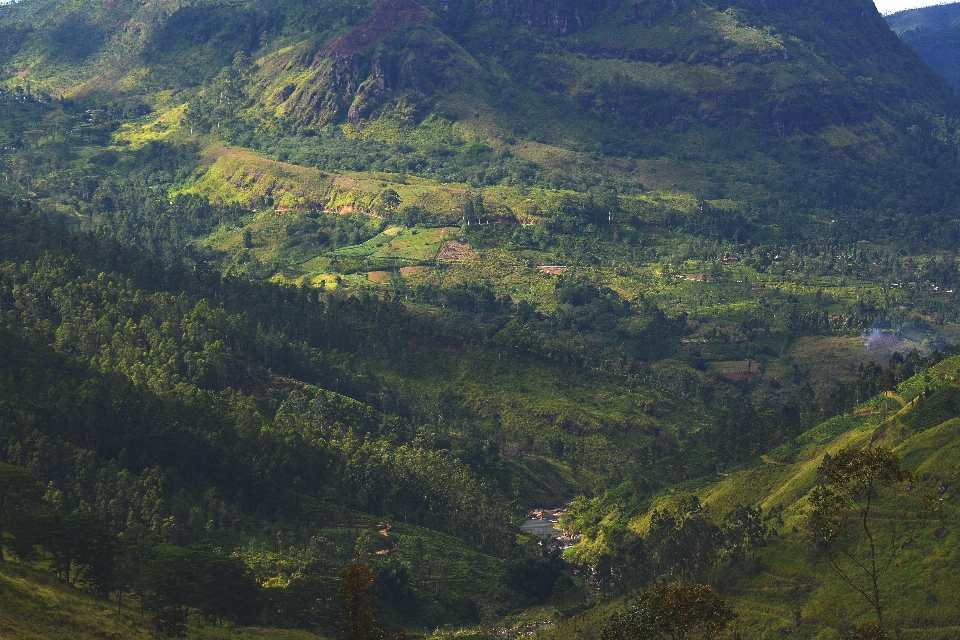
140,409
872,379
684,544
194,370
592,326
166,580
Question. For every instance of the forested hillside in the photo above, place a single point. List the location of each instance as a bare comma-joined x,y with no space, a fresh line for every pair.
775,107
766,556
304,306
933,33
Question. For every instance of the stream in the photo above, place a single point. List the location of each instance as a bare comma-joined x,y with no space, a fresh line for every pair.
542,523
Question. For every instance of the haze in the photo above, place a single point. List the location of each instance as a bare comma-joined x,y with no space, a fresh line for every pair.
892,6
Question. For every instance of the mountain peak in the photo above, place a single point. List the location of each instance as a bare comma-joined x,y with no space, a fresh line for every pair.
386,16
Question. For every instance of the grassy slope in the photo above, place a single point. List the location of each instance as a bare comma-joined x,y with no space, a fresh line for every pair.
919,595
36,606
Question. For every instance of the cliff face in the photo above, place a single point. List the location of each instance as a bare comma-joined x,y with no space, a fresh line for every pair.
396,52
386,16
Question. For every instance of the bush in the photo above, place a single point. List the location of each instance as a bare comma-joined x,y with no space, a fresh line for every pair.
670,611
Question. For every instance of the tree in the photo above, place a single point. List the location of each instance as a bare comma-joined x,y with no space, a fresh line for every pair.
357,617
867,631
219,587
672,612
859,546
743,533
18,491
228,591
535,575
568,595
388,201
685,546
80,549
171,622
137,547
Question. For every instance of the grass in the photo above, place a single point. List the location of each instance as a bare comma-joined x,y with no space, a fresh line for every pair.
400,247
231,175
135,136
34,605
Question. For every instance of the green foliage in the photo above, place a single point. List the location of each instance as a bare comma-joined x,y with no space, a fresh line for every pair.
201,467
675,611
844,512
536,575
867,631
683,543
720,182
219,587
80,549
19,492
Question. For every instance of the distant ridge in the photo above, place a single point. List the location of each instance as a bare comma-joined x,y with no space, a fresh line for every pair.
934,32
937,17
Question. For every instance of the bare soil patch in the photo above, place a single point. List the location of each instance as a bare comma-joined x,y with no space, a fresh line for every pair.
409,271
456,251
552,269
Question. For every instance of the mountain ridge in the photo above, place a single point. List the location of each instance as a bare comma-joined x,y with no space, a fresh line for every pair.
636,75
934,32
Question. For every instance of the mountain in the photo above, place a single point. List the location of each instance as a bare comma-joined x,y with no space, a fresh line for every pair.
772,105
934,32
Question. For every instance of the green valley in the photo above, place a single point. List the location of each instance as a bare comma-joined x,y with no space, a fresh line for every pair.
314,315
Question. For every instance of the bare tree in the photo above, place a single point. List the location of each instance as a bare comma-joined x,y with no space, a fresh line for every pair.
859,545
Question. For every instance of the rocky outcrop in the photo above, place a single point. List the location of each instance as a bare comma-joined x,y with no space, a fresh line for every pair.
387,15
395,56
557,17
